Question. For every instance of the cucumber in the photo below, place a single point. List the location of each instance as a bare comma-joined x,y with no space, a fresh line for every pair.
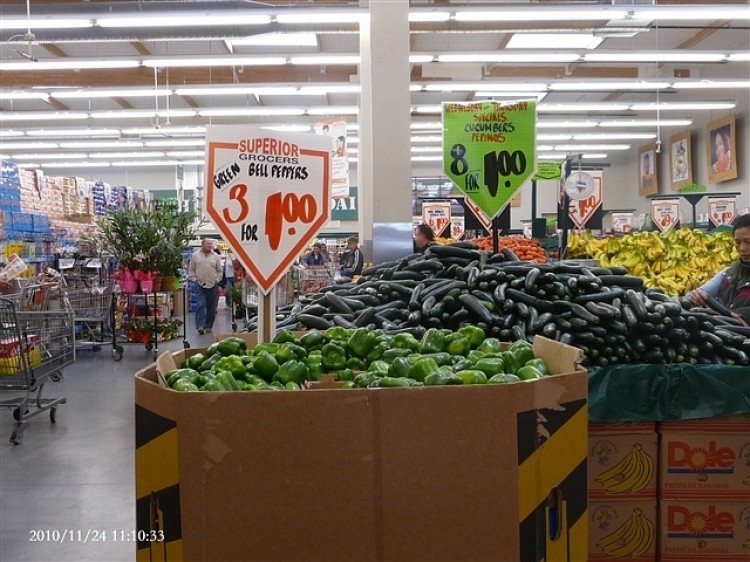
475,308
578,324
604,296
634,300
602,310
309,321
627,281
531,279
719,307
582,312
629,316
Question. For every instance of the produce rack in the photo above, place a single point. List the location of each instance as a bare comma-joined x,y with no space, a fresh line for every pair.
92,313
314,278
36,342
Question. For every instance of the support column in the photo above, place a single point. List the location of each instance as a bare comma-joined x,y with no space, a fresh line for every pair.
384,166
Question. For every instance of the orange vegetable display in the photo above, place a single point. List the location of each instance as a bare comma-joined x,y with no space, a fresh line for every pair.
526,249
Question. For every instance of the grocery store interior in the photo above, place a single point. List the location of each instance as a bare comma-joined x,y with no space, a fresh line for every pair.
633,439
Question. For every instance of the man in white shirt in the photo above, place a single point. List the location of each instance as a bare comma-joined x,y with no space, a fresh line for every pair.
205,273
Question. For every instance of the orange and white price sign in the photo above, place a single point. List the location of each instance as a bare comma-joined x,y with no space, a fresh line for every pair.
437,215
722,210
268,194
458,226
665,214
622,223
581,211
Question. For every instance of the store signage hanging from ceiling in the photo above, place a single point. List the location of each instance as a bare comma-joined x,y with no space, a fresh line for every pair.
548,171
489,149
336,130
268,194
582,210
437,215
722,210
665,214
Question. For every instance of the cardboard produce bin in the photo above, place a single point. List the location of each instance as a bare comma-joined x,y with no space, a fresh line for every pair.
623,530
700,530
622,461
483,472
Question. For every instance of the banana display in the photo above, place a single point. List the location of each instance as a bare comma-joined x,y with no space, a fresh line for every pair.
631,474
677,261
633,538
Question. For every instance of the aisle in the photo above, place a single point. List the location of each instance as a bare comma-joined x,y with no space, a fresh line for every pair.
79,473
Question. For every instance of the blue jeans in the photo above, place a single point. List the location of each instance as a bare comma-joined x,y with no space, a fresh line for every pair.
207,300
227,293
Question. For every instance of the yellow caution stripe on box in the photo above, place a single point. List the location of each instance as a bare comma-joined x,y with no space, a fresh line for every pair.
552,453
157,475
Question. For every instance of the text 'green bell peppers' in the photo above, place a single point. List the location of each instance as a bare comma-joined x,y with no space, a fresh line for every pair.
265,365
291,371
457,344
334,357
474,334
312,340
361,342
285,336
433,341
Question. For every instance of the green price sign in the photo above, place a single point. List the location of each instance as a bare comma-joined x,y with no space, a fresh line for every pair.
489,149
548,171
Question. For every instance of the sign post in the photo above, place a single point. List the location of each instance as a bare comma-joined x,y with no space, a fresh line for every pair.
268,194
489,151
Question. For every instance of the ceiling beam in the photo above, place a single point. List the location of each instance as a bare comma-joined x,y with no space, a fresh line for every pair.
57,104
122,102
712,28
141,48
54,50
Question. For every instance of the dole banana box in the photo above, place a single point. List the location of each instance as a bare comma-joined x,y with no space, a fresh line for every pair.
623,530
622,461
705,460
703,530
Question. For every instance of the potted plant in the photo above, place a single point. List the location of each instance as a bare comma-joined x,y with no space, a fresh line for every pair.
176,229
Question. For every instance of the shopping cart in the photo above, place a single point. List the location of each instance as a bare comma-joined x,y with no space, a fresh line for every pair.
36,342
92,313
284,296
314,278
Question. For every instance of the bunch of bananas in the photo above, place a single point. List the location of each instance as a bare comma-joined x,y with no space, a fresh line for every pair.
633,538
631,474
677,261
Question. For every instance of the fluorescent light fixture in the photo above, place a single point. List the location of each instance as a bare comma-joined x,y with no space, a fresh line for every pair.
696,13
227,60
429,16
554,41
352,150
550,58
570,107
613,136
543,13
52,165
553,137
565,124
69,64
73,132
165,131
41,116
174,20
656,56
550,156
291,129
426,138
9,24
334,110
682,106
321,17
712,84
28,145
101,144
28,165
332,89
584,147
143,163
176,142
251,111
277,40
20,95
237,91
140,114
540,147
486,86
55,156
738,57
155,154
646,123
427,158
595,86
352,141
426,126
420,59
10,133
325,59
352,126
186,153
353,159
428,109
193,162
516,95
124,92
426,148
593,155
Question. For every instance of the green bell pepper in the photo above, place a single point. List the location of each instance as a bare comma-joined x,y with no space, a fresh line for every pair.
511,363
227,380
528,373
348,384
314,364
265,366
538,364
337,333
490,366
195,361
334,357
474,334
213,348
361,342
232,346
442,358
503,378
184,385
462,364
288,351
378,351
401,367
433,341
356,364
391,354
285,336
233,364
378,367
209,363
394,382
267,347
312,340
212,385
440,378
457,344
344,375
364,380
405,341
490,345
522,351
472,376
291,371
475,355
422,368
185,373
292,386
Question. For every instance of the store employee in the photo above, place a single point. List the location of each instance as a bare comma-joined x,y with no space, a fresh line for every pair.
205,273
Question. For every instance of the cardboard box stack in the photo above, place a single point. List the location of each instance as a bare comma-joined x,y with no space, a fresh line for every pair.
704,490
622,486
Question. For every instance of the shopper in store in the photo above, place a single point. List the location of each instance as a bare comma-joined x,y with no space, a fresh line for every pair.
352,260
316,258
423,237
205,273
227,280
731,287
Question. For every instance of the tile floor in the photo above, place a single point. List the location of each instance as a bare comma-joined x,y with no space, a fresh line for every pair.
78,474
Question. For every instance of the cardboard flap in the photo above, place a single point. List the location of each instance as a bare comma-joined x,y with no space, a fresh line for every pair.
325,382
560,358
164,364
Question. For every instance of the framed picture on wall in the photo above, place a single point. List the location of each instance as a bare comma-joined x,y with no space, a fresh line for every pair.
680,161
722,153
648,178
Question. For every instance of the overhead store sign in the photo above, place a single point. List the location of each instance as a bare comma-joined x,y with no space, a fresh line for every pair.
345,208
548,171
489,149
665,214
437,215
722,210
581,211
458,227
268,194
336,131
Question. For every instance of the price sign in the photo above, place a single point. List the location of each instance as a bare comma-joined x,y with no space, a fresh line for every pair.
581,211
458,227
548,171
622,223
666,214
437,215
267,193
722,210
489,149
